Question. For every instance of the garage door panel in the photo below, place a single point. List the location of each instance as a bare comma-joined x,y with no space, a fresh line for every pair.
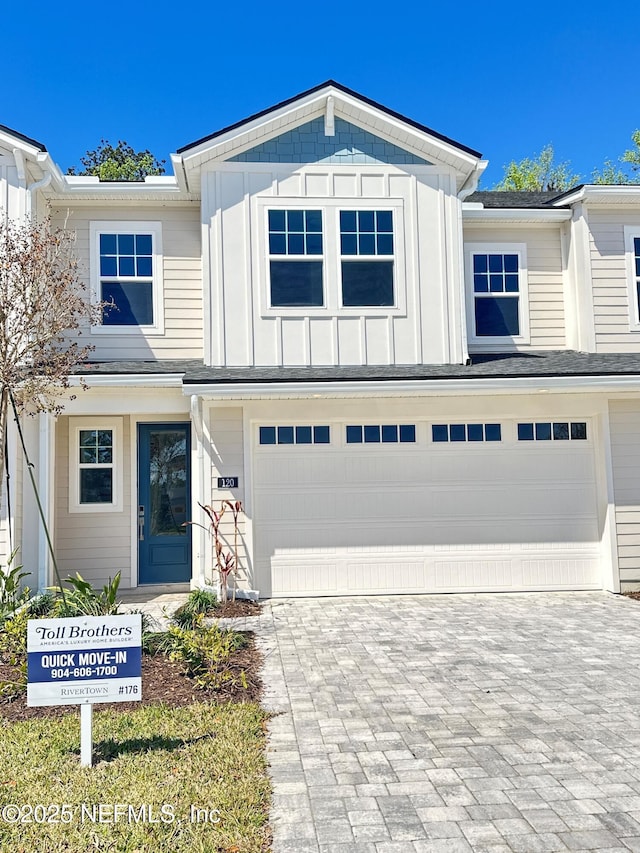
332,520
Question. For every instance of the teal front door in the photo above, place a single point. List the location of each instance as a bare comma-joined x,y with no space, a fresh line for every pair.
164,500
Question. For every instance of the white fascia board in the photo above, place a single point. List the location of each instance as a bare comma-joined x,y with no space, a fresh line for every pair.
129,380
603,194
531,216
416,388
9,141
180,172
378,121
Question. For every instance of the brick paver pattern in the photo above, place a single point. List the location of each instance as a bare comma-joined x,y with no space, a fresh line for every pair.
420,724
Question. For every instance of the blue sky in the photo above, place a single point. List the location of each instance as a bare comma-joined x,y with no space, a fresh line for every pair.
503,78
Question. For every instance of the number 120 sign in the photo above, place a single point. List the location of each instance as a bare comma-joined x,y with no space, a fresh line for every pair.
84,660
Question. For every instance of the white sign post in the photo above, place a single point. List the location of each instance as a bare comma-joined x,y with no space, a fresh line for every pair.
84,660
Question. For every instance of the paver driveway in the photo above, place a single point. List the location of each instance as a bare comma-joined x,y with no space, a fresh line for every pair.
455,723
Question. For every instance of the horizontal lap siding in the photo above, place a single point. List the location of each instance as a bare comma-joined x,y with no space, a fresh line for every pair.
545,279
609,274
98,545
182,274
625,453
227,451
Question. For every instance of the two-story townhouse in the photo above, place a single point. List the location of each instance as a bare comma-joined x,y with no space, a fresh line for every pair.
411,386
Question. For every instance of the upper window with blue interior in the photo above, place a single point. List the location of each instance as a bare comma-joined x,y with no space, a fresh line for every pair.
636,268
496,295
366,252
295,258
126,275
126,279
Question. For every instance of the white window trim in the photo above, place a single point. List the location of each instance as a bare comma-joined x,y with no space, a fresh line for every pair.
630,233
98,422
502,342
129,227
331,256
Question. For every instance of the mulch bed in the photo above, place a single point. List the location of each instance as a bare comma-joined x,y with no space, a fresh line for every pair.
163,681
239,607
635,595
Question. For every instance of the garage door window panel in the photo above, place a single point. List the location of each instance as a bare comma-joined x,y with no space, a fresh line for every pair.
445,433
380,434
293,435
553,431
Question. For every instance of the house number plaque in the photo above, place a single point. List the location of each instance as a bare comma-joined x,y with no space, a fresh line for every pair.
228,482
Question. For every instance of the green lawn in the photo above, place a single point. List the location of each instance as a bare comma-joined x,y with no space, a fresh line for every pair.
211,757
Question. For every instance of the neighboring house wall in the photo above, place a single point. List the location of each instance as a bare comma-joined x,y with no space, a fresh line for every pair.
612,309
96,544
624,417
546,310
181,275
423,326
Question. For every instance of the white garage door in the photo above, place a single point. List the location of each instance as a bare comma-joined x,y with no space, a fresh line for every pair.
428,515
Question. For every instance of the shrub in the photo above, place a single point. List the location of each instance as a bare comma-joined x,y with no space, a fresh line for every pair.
201,602
205,651
13,652
12,595
86,600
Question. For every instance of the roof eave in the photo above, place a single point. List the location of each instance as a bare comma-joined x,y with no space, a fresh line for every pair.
412,387
272,122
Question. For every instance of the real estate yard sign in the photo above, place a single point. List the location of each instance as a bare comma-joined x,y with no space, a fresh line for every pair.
84,660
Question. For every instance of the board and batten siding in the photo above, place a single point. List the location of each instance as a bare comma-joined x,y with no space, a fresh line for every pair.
609,275
246,331
97,545
227,460
544,276
182,279
624,421
12,195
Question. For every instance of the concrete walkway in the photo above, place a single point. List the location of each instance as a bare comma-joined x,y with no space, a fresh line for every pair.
487,723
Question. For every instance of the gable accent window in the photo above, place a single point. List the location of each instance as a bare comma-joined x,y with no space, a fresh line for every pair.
294,435
384,433
559,431
497,297
126,272
632,249
366,257
296,235
465,432
95,464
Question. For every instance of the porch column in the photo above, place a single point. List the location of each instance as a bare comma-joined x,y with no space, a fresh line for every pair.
199,493
45,478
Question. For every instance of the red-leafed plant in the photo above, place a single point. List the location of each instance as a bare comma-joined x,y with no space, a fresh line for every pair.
225,563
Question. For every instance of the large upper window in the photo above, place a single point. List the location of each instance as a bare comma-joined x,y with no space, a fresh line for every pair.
366,252
331,259
126,274
295,258
497,294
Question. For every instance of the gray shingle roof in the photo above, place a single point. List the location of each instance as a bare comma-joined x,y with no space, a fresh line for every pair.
495,366
495,198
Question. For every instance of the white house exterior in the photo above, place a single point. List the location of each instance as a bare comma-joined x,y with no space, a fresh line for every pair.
411,386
